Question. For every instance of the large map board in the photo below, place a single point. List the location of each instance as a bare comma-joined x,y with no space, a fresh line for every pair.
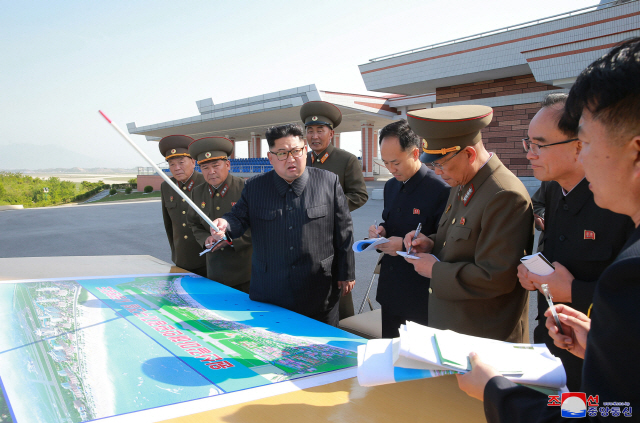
153,347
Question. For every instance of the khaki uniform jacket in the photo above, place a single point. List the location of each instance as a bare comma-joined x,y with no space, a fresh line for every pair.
486,228
349,171
184,248
230,266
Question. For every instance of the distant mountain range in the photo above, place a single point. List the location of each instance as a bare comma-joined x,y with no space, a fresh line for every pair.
51,159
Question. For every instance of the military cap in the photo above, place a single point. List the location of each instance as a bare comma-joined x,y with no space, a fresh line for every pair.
211,148
320,113
174,146
447,129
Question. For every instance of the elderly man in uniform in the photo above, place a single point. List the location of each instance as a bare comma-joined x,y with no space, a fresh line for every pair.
185,249
414,195
320,119
580,238
230,262
302,231
486,228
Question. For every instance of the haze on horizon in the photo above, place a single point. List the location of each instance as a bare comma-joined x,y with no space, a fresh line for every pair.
148,62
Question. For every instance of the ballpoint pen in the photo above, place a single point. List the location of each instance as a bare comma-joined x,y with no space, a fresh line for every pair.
547,295
414,237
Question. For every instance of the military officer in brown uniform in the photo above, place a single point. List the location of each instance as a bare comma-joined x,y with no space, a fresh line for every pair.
184,248
320,119
486,228
227,264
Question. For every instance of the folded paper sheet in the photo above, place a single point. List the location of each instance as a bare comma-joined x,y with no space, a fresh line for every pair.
368,244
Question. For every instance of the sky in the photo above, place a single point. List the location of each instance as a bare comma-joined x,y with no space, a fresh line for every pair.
150,61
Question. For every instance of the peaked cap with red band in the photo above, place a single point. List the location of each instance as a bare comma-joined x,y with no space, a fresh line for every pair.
320,113
211,148
174,146
448,129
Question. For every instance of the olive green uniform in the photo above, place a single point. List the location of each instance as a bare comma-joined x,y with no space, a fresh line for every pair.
229,265
349,171
185,249
486,228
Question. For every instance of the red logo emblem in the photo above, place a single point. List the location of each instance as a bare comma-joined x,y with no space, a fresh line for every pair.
463,221
416,211
590,235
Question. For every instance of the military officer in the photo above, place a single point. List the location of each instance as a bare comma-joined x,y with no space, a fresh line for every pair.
320,119
229,263
184,248
487,226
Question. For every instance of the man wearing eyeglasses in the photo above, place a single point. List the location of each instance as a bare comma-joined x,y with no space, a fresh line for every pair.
301,230
230,262
487,226
580,238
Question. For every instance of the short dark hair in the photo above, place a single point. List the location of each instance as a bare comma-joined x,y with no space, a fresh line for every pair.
558,101
402,130
281,131
609,88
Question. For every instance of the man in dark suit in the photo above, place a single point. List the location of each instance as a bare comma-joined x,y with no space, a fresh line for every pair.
609,341
320,119
185,250
301,230
229,264
414,195
580,238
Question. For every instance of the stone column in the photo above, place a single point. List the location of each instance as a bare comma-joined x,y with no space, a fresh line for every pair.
375,145
233,141
367,136
254,145
336,140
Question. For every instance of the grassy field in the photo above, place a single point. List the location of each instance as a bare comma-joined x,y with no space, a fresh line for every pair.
121,196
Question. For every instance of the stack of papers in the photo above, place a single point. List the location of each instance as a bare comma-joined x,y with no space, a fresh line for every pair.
422,352
368,244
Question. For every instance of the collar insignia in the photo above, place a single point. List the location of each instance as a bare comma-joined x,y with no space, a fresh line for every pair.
324,158
224,190
233,203
190,186
467,195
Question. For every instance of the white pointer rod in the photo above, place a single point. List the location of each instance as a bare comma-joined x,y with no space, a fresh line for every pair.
163,175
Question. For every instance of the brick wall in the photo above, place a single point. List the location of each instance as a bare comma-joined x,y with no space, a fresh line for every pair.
504,135
492,88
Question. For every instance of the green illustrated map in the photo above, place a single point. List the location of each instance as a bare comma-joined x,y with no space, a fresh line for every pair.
85,349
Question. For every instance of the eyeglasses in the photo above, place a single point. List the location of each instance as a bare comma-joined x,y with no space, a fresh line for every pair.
441,165
284,155
527,144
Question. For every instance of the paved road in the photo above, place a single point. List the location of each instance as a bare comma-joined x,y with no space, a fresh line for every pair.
123,228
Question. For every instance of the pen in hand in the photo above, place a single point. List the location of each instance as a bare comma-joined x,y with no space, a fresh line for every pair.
415,236
375,223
